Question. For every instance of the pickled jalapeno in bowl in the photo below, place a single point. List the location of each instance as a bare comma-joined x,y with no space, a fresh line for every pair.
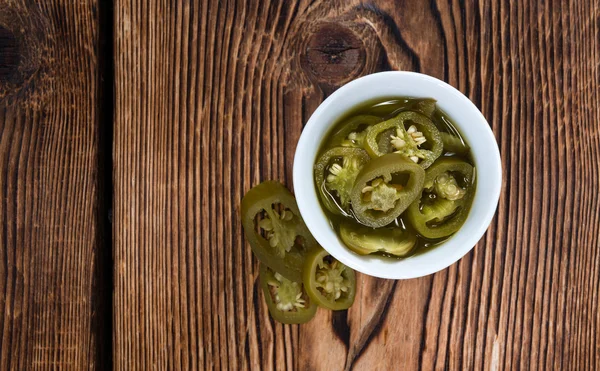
395,177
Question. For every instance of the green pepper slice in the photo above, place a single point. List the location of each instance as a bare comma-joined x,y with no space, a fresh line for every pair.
384,188
454,144
335,173
410,134
445,201
425,106
364,240
353,132
287,300
287,237
328,282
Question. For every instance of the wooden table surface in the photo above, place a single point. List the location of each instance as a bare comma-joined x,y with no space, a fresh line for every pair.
130,130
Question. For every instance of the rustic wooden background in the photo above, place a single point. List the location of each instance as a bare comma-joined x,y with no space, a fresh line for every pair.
200,100
55,187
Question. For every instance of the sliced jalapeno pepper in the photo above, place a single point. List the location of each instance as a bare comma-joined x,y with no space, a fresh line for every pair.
287,237
335,173
410,134
424,105
328,282
444,203
287,300
384,188
364,240
352,133
454,144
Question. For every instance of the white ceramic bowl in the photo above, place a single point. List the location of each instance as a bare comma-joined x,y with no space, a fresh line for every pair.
472,126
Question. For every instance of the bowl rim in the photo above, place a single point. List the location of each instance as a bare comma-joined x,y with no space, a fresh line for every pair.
306,152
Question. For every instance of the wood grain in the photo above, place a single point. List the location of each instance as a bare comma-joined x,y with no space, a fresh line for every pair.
210,99
52,292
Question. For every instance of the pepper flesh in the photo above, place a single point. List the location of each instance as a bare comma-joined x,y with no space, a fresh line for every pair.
335,173
353,132
443,205
287,300
363,240
378,207
426,106
406,134
328,282
454,144
287,237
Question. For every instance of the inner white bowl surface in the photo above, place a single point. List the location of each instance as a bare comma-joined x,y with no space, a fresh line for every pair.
472,125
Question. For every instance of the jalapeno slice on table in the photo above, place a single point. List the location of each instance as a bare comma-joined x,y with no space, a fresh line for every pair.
384,188
410,134
364,240
444,204
335,173
287,300
286,238
328,282
353,132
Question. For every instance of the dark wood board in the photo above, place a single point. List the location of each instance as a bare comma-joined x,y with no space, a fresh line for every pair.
211,98
54,233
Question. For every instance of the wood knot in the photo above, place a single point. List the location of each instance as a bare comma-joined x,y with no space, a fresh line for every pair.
25,39
9,56
334,54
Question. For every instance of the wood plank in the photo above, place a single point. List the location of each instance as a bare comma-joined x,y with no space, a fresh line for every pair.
53,243
211,98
